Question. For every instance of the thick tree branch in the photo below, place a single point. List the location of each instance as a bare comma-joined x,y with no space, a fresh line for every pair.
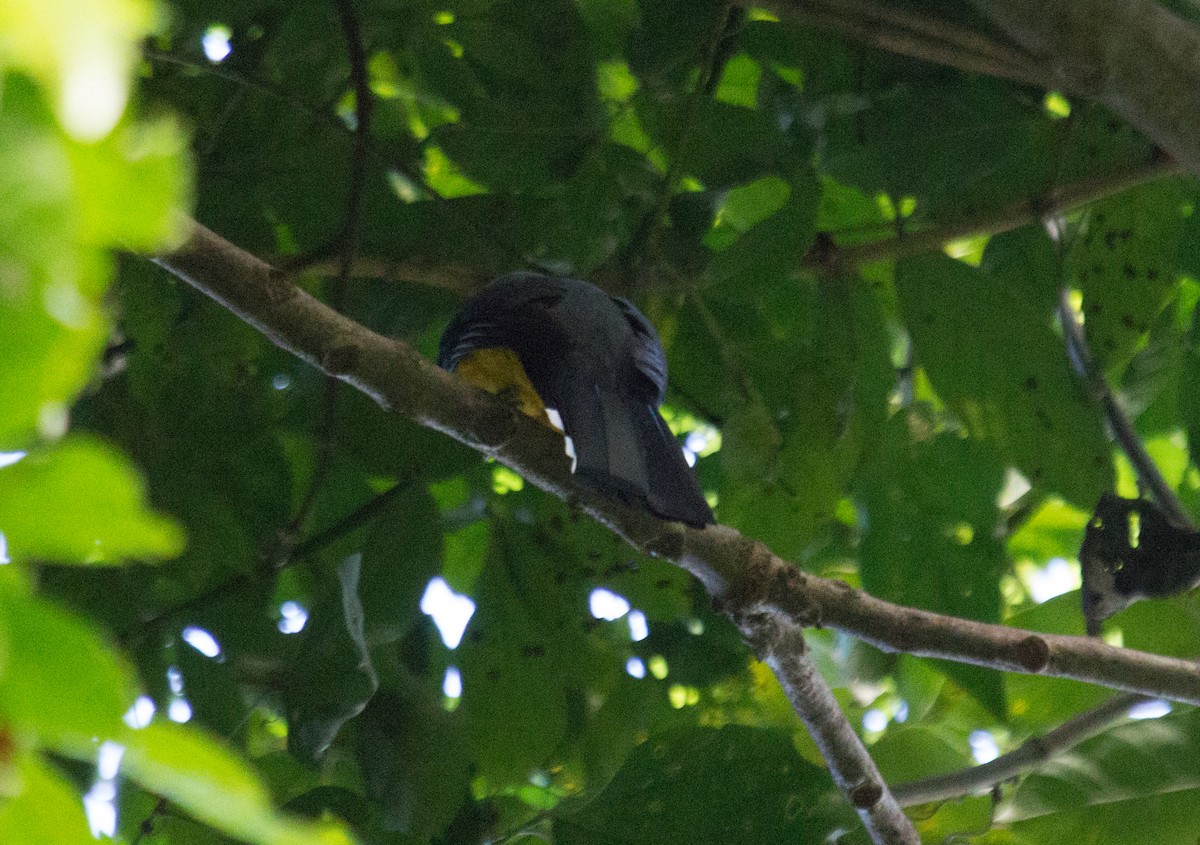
918,36
740,573
1135,56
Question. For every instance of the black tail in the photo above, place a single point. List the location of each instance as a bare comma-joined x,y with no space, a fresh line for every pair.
624,447
674,491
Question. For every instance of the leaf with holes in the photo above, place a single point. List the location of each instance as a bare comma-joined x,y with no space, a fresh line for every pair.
734,785
995,361
1125,261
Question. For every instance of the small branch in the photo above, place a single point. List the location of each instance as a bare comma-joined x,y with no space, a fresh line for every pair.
741,574
710,67
345,525
363,107
463,279
1031,754
318,114
1122,428
995,221
781,646
291,556
918,36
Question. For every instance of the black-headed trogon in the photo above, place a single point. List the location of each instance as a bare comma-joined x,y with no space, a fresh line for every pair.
594,361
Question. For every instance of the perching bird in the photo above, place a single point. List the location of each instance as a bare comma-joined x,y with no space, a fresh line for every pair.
592,362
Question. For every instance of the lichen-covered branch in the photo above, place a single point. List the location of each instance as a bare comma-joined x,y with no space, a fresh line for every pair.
740,573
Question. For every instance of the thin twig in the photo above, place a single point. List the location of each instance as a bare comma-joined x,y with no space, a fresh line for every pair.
1121,426
681,143
298,553
1032,753
348,238
347,524
363,108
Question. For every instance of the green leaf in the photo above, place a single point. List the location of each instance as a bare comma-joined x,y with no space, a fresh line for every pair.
1135,783
200,776
82,51
46,808
522,647
415,762
733,785
1125,260
332,678
61,682
929,541
957,147
132,184
905,754
997,364
78,501
403,552
771,249
51,329
1036,703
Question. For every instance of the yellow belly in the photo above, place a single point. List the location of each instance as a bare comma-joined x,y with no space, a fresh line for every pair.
500,371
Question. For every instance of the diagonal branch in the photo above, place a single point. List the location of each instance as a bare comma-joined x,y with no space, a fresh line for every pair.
994,221
917,36
1122,427
1032,753
742,575
1134,56
781,646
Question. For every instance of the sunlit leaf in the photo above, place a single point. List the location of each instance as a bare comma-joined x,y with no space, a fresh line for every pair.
61,682
83,51
45,808
80,502
200,776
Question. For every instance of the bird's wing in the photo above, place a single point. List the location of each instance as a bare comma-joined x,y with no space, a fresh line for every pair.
648,355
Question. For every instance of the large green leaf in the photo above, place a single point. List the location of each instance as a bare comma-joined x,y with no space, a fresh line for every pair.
51,329
414,761
61,683
198,774
929,538
45,808
83,52
1125,261
995,361
522,649
79,501
332,677
735,785
1135,783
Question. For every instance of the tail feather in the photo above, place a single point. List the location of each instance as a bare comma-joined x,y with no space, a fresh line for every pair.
674,492
625,448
